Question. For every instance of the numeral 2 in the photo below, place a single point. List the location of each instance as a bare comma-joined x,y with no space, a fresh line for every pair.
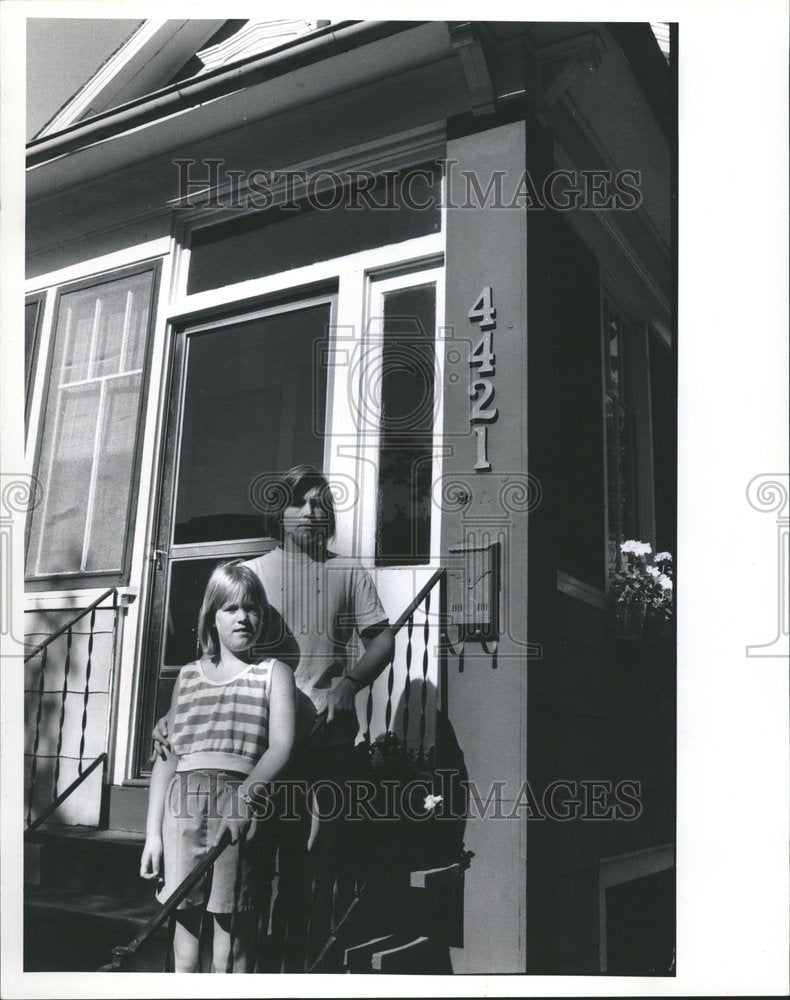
484,386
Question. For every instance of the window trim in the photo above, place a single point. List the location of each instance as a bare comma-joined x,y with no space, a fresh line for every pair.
39,299
79,580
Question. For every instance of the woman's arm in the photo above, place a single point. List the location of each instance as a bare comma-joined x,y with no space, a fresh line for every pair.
282,729
379,646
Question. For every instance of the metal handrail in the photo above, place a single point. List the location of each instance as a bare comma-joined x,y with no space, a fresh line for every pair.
122,953
417,601
65,794
64,628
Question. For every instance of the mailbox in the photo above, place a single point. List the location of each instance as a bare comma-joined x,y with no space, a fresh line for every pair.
473,591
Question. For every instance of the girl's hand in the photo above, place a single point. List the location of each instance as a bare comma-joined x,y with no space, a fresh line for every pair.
151,861
239,819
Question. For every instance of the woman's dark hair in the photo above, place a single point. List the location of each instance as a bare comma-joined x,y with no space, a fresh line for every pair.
290,488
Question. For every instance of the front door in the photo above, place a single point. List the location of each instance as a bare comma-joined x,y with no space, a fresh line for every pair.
248,400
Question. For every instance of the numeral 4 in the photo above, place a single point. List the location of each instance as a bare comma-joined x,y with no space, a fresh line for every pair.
482,311
481,355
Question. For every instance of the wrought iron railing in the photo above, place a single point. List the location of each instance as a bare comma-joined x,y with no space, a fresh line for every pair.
414,629
66,631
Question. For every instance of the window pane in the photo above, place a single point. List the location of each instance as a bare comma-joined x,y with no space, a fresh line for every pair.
279,239
628,481
113,474
254,404
407,417
59,522
139,292
622,478
90,425
613,486
78,314
613,347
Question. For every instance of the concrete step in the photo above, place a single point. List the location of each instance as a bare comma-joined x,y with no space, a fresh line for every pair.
68,930
85,859
398,954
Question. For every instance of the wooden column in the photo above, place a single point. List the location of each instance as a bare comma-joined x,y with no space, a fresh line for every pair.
485,695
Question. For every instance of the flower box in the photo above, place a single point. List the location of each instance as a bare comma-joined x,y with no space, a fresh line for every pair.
643,592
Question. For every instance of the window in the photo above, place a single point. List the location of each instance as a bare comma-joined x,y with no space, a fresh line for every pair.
622,472
408,358
254,403
87,455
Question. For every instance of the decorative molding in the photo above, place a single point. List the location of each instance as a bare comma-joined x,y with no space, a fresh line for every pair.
571,56
253,39
394,152
464,39
75,108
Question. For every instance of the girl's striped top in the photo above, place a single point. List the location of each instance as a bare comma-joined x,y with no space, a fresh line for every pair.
222,724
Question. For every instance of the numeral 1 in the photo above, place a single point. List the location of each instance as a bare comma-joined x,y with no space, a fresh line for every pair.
482,464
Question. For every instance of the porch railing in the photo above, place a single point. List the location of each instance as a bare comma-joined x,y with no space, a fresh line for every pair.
42,730
416,670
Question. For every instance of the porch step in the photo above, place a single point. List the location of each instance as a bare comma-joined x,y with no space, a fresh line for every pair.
67,930
84,896
398,954
85,859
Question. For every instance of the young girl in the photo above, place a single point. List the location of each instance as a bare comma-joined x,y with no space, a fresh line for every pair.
231,721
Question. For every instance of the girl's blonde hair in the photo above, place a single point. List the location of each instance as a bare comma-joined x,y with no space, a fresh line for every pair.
230,581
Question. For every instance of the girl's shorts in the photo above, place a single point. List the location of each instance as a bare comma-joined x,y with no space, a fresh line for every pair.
193,806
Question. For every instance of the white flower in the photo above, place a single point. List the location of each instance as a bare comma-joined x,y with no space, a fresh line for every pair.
664,582
431,802
653,571
662,557
638,548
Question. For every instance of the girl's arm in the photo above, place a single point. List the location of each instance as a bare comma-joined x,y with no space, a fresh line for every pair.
282,729
151,861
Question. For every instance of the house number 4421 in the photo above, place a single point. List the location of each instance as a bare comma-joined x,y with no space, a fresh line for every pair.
481,387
